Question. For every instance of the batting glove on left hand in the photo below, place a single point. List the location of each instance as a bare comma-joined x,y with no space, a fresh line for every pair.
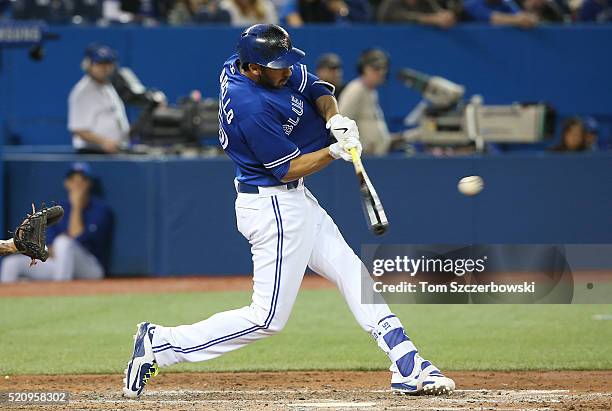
342,128
342,149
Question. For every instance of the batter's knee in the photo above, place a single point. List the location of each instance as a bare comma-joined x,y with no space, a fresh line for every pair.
276,326
270,322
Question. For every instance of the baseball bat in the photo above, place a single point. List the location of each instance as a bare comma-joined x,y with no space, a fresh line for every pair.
372,207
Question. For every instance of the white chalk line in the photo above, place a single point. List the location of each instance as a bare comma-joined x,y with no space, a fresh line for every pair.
298,390
333,404
513,394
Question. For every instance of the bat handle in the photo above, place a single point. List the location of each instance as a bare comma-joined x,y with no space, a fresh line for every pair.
356,159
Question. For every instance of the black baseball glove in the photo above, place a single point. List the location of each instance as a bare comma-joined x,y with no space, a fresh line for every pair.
30,235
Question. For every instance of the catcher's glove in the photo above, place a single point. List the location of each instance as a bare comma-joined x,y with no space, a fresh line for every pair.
30,235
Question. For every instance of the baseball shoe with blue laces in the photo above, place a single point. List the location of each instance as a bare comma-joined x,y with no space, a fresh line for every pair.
142,366
429,380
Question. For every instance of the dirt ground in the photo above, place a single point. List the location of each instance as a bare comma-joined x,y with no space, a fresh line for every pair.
573,390
338,390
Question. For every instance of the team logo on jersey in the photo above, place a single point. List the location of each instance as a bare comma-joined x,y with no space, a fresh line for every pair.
297,106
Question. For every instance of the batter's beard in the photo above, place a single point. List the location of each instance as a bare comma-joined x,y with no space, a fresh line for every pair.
265,81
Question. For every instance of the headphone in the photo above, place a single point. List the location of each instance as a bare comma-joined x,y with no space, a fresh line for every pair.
371,56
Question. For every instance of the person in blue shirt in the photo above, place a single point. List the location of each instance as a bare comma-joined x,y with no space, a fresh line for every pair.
499,13
276,120
596,11
80,242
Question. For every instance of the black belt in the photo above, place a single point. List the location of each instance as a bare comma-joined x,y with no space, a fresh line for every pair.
251,189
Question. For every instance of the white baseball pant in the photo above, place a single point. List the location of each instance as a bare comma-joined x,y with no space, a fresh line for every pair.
287,230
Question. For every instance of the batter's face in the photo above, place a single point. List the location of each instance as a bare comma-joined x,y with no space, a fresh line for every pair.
273,78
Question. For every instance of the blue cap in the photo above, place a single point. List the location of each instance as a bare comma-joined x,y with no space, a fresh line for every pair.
81,168
100,53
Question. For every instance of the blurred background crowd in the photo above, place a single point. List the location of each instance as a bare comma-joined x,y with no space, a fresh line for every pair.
111,109
294,13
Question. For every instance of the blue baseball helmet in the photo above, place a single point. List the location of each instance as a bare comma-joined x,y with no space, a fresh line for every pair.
268,45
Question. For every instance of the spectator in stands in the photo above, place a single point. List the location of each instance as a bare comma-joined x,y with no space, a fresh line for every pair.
5,9
96,115
500,13
546,10
359,101
335,11
574,137
79,242
591,130
427,12
247,12
197,11
148,12
329,69
51,11
288,13
87,11
595,10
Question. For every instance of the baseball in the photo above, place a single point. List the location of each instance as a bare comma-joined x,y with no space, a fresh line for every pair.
471,185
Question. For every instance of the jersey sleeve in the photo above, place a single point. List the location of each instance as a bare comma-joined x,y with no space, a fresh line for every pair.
267,140
310,85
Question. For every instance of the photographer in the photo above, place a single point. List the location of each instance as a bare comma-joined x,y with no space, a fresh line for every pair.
96,115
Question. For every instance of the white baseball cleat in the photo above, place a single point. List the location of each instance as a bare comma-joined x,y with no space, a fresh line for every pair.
142,366
429,381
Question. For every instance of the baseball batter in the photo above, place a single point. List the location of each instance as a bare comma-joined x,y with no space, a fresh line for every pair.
275,122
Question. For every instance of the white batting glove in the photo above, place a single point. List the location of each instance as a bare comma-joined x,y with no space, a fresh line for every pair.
336,151
342,127
342,149
352,142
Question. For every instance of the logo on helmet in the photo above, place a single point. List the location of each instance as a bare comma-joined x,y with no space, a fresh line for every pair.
284,42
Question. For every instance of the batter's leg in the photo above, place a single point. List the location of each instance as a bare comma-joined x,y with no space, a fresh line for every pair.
280,230
333,259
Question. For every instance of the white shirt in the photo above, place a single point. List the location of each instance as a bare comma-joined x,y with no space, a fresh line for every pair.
360,103
240,20
97,108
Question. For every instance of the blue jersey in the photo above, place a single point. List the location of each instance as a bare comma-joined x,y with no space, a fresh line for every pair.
262,129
